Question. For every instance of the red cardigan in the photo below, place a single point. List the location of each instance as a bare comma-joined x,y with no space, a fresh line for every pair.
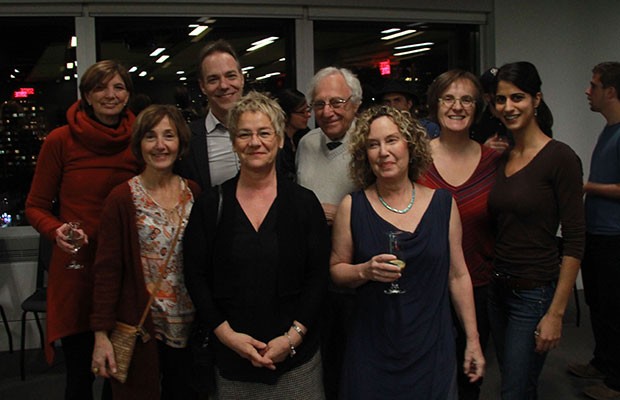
120,292
78,164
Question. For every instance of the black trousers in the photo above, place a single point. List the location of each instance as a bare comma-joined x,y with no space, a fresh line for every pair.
177,374
78,351
601,281
335,323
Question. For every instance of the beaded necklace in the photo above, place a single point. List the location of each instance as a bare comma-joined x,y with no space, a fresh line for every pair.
396,210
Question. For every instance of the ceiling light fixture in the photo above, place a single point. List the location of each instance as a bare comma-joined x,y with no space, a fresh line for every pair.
143,73
69,65
262,43
180,72
73,42
163,58
245,69
409,46
198,30
282,59
399,34
269,75
133,69
183,78
404,53
157,51
391,30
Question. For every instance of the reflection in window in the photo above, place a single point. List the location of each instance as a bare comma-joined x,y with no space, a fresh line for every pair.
37,71
413,52
162,54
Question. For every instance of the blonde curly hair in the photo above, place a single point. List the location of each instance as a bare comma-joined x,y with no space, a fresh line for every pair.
414,134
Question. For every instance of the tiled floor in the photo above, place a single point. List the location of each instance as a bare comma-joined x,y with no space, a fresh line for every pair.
47,382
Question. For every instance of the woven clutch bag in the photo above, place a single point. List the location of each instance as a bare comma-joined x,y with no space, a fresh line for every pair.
123,338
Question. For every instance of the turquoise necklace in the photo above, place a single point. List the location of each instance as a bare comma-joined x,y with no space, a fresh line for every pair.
396,210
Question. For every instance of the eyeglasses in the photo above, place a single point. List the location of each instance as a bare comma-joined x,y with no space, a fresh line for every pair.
449,101
334,104
305,110
265,135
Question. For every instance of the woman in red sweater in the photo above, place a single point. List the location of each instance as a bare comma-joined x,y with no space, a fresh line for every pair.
78,166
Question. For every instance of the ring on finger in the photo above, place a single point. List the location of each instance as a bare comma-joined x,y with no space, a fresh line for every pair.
95,370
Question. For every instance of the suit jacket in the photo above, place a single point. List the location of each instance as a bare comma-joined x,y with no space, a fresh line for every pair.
195,165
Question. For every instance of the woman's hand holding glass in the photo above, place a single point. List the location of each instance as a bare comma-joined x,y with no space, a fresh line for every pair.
380,269
70,237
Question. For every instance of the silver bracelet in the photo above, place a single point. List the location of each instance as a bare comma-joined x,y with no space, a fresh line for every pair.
290,343
298,330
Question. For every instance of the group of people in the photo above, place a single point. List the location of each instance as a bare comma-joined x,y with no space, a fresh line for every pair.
280,240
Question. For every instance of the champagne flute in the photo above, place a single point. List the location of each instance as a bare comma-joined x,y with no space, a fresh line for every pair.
395,243
77,240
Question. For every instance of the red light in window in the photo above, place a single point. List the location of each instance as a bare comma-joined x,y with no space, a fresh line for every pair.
384,67
28,90
20,94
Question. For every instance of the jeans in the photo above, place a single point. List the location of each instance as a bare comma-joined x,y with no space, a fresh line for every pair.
601,281
514,315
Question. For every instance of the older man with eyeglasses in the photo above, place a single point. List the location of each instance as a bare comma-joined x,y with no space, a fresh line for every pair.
322,162
322,157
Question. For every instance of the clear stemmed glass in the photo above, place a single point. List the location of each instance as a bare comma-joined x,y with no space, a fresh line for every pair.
77,240
395,243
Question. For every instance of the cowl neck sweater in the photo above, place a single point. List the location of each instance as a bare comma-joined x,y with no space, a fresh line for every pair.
96,137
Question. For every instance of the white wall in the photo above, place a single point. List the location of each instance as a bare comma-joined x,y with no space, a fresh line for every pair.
564,39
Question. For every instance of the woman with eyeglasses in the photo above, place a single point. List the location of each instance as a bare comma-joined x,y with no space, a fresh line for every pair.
257,274
467,169
538,188
297,112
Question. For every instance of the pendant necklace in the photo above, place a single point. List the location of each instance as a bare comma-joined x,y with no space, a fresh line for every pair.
396,210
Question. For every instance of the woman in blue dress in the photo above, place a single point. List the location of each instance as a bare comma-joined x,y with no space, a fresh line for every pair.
401,346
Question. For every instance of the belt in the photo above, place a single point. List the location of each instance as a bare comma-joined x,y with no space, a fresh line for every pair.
513,282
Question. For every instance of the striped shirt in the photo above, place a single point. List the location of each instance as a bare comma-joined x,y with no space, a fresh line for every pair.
471,200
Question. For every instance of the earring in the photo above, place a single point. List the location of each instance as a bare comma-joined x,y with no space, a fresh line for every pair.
536,112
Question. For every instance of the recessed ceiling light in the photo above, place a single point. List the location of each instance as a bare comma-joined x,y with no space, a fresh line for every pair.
391,30
404,53
143,73
163,58
133,69
399,34
157,51
409,46
198,30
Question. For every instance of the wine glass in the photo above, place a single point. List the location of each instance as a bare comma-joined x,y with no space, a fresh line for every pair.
77,240
395,243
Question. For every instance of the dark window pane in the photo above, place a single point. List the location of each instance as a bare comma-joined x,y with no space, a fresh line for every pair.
132,40
37,72
417,57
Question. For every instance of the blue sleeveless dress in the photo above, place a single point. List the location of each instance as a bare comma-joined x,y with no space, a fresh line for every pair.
402,346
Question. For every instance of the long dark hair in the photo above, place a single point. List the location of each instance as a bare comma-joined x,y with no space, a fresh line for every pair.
524,75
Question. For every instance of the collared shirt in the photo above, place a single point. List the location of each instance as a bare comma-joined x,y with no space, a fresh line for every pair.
223,162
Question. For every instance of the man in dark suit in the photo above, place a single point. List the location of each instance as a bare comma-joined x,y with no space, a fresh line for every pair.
210,159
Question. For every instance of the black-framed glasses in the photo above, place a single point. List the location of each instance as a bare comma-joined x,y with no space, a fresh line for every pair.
305,110
334,104
449,101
